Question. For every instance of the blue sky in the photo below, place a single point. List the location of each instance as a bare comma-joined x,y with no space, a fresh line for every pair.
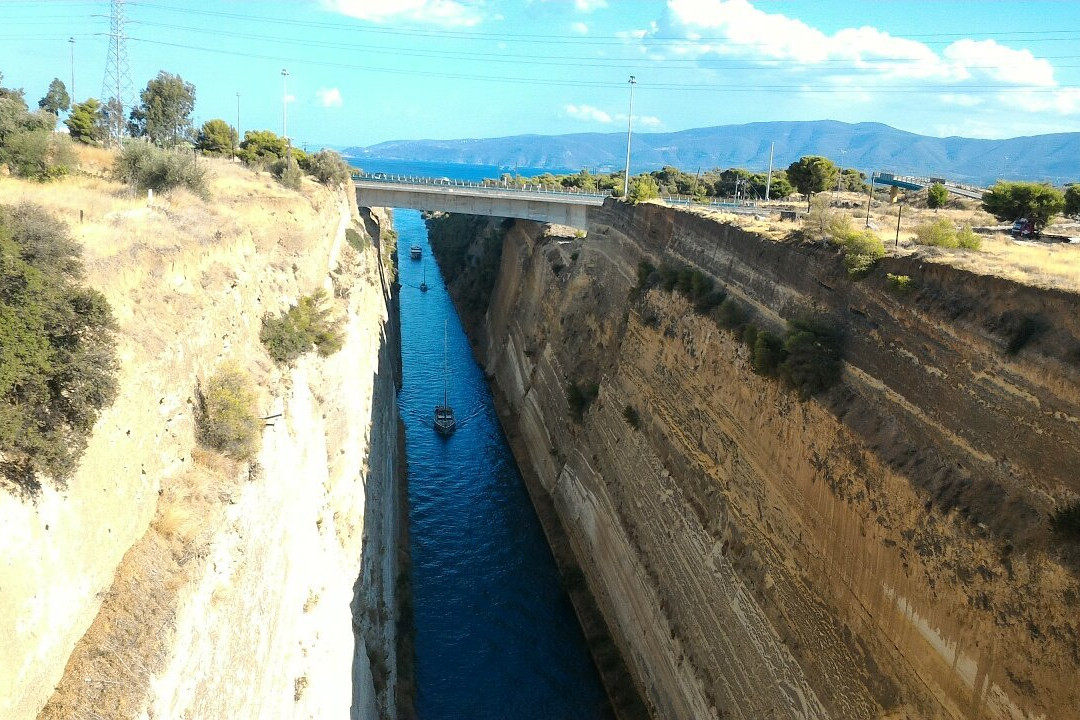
365,71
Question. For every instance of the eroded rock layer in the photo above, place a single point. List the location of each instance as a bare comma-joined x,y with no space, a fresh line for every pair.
882,549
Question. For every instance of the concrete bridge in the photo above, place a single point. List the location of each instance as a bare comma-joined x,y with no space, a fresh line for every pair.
533,202
911,182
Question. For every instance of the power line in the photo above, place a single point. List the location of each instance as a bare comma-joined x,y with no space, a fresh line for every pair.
724,87
117,71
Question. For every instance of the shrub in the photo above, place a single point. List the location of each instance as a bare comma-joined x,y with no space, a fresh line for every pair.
1066,521
813,348
631,416
730,315
1038,202
358,241
769,354
147,167
936,196
226,418
749,336
328,168
967,239
57,363
38,155
579,398
899,283
643,188
287,171
862,248
304,326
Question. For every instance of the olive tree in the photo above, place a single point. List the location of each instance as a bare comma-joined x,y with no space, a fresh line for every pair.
1038,202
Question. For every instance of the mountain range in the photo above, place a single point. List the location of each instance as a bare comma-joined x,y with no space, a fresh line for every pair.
870,147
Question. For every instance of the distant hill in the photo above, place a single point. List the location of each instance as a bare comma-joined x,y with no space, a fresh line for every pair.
867,146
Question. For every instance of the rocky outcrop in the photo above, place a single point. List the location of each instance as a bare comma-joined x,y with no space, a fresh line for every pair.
879,550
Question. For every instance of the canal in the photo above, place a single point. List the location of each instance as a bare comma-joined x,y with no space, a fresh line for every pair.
496,636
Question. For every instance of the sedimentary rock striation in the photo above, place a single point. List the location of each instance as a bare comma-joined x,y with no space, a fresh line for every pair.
879,550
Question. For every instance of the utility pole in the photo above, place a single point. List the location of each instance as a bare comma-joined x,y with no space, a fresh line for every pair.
898,215
768,181
870,197
71,41
237,148
284,103
840,175
629,130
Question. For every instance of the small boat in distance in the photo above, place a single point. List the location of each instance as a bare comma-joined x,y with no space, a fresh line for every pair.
415,252
423,283
445,424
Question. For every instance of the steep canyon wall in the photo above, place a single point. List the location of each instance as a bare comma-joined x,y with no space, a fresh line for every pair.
881,550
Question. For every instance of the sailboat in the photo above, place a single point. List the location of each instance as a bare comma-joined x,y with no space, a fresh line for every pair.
445,424
423,283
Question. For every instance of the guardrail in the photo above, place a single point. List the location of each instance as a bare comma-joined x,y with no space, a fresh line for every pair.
530,188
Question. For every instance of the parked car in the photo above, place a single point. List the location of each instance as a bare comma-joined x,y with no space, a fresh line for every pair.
1023,228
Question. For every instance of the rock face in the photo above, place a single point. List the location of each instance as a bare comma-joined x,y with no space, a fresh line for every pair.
201,588
882,549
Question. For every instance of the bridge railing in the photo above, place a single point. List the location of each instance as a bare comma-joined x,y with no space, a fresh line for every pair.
484,186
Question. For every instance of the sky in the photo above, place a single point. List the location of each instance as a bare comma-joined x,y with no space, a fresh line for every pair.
367,71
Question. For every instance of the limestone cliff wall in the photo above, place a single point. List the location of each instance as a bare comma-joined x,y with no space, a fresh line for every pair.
881,550
186,584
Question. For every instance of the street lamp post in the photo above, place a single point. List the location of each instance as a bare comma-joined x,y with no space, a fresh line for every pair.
629,130
840,175
285,103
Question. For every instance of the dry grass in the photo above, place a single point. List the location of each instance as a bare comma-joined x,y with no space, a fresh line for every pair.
1040,264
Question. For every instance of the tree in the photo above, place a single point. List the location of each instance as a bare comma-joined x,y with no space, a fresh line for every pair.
1072,201
1038,202
643,187
164,113
812,174
781,187
262,146
86,123
11,93
56,98
216,137
936,196
328,167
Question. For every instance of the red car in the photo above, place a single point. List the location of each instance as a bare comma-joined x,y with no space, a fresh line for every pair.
1023,228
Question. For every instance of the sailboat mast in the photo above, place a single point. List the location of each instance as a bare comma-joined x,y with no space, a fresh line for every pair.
445,367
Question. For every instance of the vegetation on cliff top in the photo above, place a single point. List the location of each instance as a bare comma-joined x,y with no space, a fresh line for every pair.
57,364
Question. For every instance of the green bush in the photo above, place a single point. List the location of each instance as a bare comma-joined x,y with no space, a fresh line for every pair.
813,350
226,418
769,354
305,326
967,239
328,168
643,188
942,233
148,167
287,171
730,314
57,362
38,155
358,241
936,196
750,335
899,283
862,248
631,416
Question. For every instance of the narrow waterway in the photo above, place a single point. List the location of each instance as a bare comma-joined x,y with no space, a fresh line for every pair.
496,636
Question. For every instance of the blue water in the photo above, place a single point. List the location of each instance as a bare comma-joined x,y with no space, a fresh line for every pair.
454,171
496,636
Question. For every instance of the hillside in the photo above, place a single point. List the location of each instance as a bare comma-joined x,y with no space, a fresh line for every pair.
867,146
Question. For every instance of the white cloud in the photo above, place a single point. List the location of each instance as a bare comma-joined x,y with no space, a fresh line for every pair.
587,112
579,27
587,6
447,13
329,97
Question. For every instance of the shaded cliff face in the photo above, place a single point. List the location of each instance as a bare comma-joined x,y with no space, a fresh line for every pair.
882,549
